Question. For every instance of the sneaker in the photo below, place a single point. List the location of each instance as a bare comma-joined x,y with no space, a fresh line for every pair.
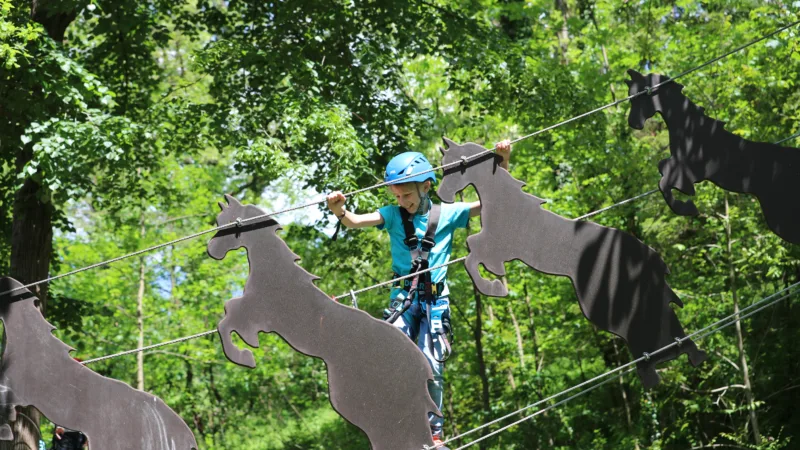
437,443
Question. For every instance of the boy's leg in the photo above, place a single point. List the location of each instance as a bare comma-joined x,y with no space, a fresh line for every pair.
436,388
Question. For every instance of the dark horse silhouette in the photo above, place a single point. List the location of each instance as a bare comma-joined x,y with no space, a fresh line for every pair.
702,149
620,282
378,379
37,370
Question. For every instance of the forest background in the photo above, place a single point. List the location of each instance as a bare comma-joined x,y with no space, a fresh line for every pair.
123,122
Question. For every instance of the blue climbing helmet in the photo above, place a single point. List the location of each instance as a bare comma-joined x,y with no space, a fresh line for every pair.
408,163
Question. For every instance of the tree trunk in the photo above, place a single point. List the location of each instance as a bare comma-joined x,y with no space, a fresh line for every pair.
512,382
31,236
450,411
520,348
531,319
51,14
140,313
748,391
606,65
32,231
31,251
563,33
478,335
624,395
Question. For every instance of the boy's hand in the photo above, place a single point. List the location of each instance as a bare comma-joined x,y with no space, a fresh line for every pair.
336,202
503,148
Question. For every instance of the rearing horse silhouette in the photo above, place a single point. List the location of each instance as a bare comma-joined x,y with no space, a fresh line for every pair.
620,282
36,369
702,149
378,379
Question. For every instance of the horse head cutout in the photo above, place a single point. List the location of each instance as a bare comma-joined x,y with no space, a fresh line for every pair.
37,370
462,163
647,105
619,281
702,149
232,238
377,378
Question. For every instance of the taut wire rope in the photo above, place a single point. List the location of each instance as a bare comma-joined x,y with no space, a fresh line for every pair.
149,347
789,138
346,294
358,191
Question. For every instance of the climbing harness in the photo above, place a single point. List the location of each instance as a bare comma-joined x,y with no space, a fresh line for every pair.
420,251
421,287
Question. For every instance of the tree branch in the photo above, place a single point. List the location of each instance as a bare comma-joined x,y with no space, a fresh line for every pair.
712,391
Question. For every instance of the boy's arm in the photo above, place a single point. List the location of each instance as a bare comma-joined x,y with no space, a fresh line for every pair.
474,209
502,148
351,219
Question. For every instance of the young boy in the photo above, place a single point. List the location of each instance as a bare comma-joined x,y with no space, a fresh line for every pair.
411,195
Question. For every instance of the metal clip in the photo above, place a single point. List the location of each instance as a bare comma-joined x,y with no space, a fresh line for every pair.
679,341
649,90
238,222
353,299
646,356
464,160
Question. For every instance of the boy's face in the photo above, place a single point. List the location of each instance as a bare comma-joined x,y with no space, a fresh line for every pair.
407,195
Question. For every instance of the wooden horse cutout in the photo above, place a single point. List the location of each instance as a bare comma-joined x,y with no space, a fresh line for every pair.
702,149
378,379
37,370
620,282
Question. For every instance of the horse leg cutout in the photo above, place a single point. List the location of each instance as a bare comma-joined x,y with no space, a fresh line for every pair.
496,267
647,373
685,185
695,355
492,288
243,357
680,207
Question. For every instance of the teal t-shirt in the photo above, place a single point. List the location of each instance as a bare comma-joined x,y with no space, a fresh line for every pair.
452,216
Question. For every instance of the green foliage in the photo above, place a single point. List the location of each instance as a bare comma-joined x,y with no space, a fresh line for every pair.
150,111
14,37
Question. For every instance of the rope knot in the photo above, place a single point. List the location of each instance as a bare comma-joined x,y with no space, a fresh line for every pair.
646,356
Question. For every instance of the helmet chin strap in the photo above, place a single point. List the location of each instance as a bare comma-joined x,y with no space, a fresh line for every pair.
424,202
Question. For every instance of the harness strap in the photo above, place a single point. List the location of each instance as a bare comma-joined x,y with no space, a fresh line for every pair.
436,288
420,250
411,240
426,245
